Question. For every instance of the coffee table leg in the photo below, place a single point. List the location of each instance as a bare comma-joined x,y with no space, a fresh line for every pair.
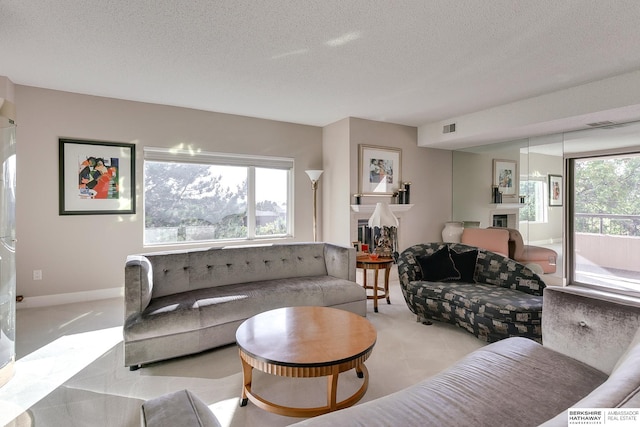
332,389
247,372
359,372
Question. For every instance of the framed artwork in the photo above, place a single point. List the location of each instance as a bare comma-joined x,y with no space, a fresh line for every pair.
96,178
505,176
555,190
380,170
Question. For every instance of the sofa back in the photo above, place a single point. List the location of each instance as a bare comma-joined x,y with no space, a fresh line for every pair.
491,268
491,239
179,271
595,327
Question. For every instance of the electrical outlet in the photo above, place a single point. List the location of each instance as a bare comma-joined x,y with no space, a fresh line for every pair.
37,274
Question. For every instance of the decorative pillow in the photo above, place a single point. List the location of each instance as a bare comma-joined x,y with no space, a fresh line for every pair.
465,263
439,266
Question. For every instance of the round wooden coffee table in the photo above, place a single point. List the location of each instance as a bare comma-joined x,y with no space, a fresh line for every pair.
304,342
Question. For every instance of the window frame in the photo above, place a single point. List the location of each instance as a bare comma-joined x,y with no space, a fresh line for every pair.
570,244
251,162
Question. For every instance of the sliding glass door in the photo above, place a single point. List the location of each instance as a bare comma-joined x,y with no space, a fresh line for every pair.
604,216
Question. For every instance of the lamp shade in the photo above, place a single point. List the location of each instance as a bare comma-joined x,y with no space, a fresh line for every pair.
383,217
314,175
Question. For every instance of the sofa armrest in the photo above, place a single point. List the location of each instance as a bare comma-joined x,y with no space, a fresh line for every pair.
340,261
592,326
138,285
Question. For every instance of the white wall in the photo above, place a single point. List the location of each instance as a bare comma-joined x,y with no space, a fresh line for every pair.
428,169
86,253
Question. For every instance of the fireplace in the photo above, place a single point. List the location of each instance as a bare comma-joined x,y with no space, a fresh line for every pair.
389,236
501,220
505,218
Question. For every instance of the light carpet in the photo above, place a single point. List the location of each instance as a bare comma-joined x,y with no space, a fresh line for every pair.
105,393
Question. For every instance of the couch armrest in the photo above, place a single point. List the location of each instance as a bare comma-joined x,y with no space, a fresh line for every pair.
592,326
340,261
138,284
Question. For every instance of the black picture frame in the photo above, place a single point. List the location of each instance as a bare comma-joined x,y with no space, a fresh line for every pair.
96,177
556,190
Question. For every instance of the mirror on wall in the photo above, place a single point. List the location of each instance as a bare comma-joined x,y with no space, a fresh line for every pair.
528,176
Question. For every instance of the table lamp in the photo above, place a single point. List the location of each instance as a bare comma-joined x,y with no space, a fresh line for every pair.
384,219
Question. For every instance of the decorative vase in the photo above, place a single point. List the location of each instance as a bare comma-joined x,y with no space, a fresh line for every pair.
452,231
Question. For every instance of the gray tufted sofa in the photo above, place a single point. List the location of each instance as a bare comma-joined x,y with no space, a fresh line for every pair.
503,299
183,302
590,359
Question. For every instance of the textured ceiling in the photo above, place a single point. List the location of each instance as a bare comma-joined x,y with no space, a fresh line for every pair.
316,62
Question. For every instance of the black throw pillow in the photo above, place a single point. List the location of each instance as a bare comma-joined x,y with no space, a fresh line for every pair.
465,263
438,267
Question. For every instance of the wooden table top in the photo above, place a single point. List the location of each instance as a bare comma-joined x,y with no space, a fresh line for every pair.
306,336
368,260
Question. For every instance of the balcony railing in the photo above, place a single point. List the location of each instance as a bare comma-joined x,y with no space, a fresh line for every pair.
609,224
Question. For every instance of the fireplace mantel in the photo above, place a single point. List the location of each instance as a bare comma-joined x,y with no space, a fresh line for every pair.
506,205
368,209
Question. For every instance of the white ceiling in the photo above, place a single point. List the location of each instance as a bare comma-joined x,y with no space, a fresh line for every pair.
316,62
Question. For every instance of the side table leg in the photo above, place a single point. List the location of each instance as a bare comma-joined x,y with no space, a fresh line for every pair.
375,291
386,284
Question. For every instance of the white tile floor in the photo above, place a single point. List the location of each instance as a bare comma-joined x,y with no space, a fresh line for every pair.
70,370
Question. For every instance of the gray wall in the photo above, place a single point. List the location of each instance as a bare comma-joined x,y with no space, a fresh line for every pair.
85,254
82,257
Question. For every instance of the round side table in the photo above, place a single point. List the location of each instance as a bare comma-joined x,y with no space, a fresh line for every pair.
367,263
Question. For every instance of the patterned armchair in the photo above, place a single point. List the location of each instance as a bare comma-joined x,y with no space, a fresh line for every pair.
503,299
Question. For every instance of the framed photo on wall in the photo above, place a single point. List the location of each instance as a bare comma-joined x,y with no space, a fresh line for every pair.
505,176
96,178
380,169
555,190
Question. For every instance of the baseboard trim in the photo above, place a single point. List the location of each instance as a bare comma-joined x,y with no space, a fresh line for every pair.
69,298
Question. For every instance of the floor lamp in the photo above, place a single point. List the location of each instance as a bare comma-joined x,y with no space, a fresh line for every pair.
382,217
314,175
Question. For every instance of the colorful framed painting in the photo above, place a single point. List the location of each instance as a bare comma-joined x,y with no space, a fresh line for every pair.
555,190
380,170
505,176
96,178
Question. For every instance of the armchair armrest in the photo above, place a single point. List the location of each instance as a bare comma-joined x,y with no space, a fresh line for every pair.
138,284
340,261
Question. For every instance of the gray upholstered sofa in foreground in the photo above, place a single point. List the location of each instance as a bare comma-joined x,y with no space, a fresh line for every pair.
590,359
183,302
485,293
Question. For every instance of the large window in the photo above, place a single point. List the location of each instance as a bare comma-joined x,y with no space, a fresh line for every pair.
605,220
194,197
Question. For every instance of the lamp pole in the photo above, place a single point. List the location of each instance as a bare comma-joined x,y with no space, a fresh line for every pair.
314,175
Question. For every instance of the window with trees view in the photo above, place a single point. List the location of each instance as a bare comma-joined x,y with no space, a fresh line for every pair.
213,197
534,209
606,220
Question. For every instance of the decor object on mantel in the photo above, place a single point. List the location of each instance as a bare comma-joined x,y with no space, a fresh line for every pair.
314,175
386,221
452,231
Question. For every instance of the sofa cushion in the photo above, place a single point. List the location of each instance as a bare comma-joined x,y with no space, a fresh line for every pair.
621,390
202,308
485,300
465,263
181,408
439,266
502,384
